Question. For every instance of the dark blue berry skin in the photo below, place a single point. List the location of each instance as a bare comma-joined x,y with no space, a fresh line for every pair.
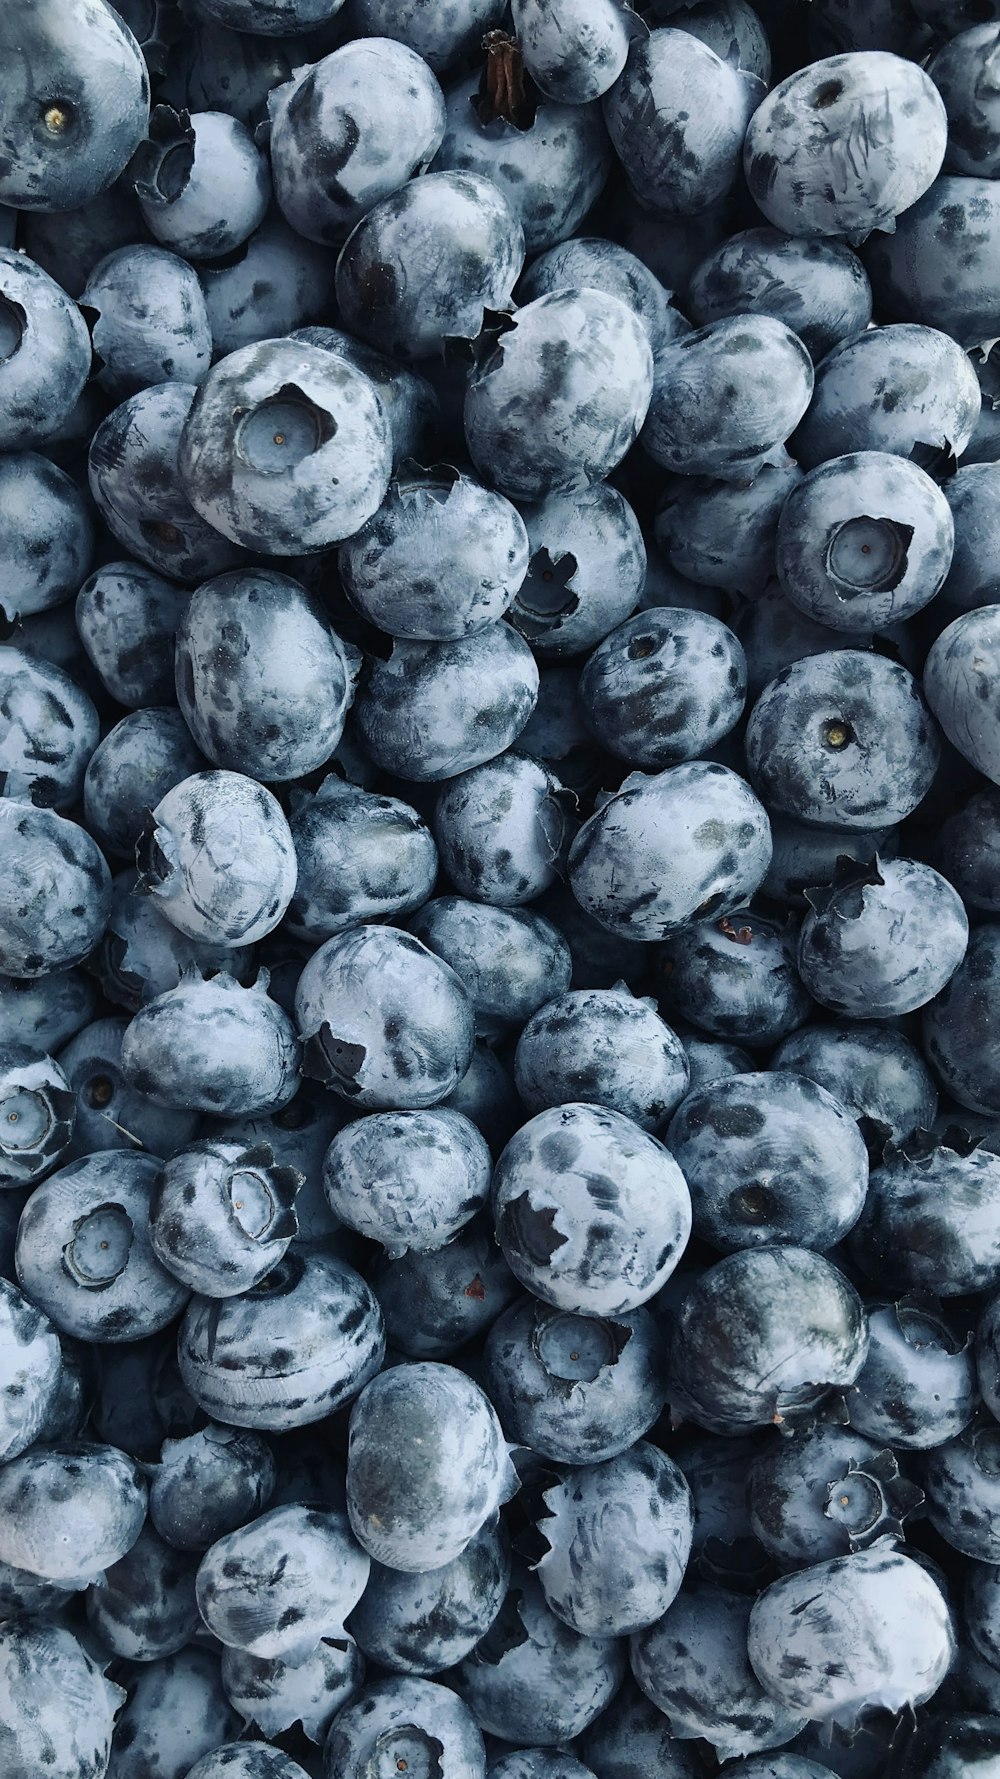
776,635
83,1251
600,264
202,185
790,1488
486,1094
37,1115
263,680
763,1337
586,571
727,397
502,830
873,1070
433,710
383,1022
722,534
542,419
435,1303
818,288
961,70
213,1047
127,617
423,264
930,1219
979,1608
68,243
539,1763
47,535
735,979
148,320
671,847
725,1549
960,690
131,770
681,164
404,1719
693,1665
350,130
273,283
55,895
604,1047
413,1623
144,1607
917,1387
961,1029
960,1480
286,1353
532,1680
631,1736
110,1113
577,1389
135,483
933,392
664,687
940,268
409,400
972,578
882,939
448,35
550,170
843,739
511,960
968,845
207,1484
441,559
360,857
46,353
855,572
710,1059
770,1158
76,101
600,959
48,732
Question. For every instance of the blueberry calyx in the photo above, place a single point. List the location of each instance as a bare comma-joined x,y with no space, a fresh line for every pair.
13,321
163,163
851,877
872,1500
545,596
327,1058
867,555
99,1249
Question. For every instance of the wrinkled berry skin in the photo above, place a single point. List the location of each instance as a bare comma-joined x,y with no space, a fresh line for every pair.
407,1179
404,1723
435,1303
735,979
933,395
561,397
263,680
55,892
961,692
883,942
37,1114
602,1047
384,1022
433,710
961,1030
288,1351
511,960
218,859
348,131
676,846
917,1387
423,264
321,1575
286,448
677,116
664,687
47,539
42,1665
843,739
930,1219
209,1483
127,617
222,1215
726,397
213,1047
873,1070
360,857
763,1337
441,559
817,288
131,770
421,1623
845,144
577,1389
878,1609
427,1465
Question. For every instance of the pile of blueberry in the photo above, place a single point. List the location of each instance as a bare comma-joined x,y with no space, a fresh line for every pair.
499,889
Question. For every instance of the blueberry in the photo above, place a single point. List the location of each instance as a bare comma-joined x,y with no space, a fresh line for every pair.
854,571
407,1179
143,1606
441,559
929,1221
48,731
533,1680
776,635
960,692
725,1549
56,893
817,287
298,1136
383,1022
273,18
502,830
217,855
960,1477
433,710
891,389
70,1510
404,1725
245,1760
410,401
427,1465
47,538
572,52
136,764
288,1351
693,1665
826,1494
874,1071
843,739
917,1387
727,397
562,395
539,1763
208,1484
447,35
422,1623
877,1618
586,570
664,687
213,1047
31,1370
68,243
348,131
202,185
960,1032
677,116
271,284
127,617
222,1215
276,1586
148,320
23,1595
968,843
424,263
631,1736
110,1113
605,1047
763,1337
273,1694
435,1303
37,1114
600,264
722,534
736,979
882,939
42,1665
44,352
577,1389
711,1059
286,448
961,69
972,579
360,857
176,1712
979,1608
671,847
